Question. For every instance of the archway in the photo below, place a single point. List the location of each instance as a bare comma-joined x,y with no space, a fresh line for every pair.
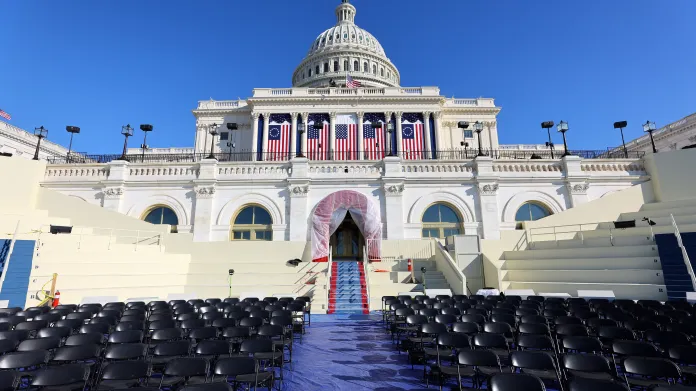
330,214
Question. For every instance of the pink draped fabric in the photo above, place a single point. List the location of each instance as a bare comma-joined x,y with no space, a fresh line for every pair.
331,211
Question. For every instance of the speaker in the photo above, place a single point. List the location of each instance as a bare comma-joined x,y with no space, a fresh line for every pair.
231,272
6,154
294,262
60,229
547,125
624,224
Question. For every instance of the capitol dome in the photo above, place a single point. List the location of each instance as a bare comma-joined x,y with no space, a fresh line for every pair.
346,48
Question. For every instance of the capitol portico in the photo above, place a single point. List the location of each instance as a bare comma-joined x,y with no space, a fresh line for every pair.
397,155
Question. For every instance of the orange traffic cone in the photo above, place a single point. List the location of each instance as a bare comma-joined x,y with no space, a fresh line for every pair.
56,300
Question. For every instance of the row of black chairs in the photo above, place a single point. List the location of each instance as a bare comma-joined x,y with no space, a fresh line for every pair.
550,338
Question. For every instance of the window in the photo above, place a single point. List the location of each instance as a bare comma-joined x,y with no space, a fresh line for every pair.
381,72
252,223
224,136
365,68
162,215
336,66
310,72
374,69
531,211
356,66
303,75
326,67
468,133
317,70
345,65
440,221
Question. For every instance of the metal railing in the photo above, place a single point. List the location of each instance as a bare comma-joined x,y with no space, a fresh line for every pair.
685,254
324,155
328,278
572,231
116,236
367,278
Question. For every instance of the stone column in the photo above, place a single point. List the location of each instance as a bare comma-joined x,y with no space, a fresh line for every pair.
361,147
254,136
303,142
114,186
204,189
387,136
426,128
575,181
298,189
393,187
492,141
399,134
332,136
438,130
487,197
293,136
266,120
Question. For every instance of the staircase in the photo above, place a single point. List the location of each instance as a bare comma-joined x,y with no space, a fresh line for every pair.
348,291
677,279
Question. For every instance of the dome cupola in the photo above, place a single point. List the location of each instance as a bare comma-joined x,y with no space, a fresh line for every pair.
345,49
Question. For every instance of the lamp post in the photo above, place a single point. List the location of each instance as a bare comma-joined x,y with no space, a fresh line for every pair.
466,152
146,129
39,132
548,125
72,130
231,146
300,132
550,146
126,131
620,125
213,132
650,128
478,128
390,132
563,128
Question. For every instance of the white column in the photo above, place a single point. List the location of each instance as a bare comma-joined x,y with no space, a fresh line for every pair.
332,136
426,120
399,135
254,136
576,181
204,189
266,120
303,142
293,136
488,197
298,189
387,137
438,130
113,186
361,148
393,187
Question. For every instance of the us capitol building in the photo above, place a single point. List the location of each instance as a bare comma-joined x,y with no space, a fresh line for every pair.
329,160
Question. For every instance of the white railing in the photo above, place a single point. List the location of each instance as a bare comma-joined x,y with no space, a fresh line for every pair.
328,279
685,255
565,232
367,278
448,267
343,92
110,236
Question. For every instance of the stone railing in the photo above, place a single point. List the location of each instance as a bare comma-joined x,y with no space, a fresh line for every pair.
479,102
610,166
341,91
146,171
247,170
69,173
220,104
328,170
434,168
512,166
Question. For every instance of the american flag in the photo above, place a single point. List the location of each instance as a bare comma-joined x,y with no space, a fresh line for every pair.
373,139
346,137
350,83
5,115
318,139
411,136
278,139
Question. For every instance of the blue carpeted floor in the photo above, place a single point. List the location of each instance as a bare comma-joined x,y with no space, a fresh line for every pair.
350,353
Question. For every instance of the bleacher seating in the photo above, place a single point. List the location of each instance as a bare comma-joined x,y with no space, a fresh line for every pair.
508,343
156,345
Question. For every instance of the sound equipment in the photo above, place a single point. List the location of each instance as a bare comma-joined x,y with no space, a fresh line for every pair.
624,224
60,229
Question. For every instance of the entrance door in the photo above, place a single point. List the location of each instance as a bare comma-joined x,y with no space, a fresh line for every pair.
347,241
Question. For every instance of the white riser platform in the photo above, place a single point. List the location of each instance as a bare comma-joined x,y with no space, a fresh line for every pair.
625,276
649,263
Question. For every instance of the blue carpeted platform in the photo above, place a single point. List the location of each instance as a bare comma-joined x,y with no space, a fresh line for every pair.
350,353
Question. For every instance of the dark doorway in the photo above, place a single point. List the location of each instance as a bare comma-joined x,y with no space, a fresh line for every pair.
347,241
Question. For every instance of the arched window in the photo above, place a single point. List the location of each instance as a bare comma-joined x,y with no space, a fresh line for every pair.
326,67
374,69
381,72
310,72
441,221
531,211
252,223
345,65
335,66
356,66
317,70
365,67
160,214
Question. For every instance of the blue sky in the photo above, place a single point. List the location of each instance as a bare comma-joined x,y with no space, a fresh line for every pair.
102,64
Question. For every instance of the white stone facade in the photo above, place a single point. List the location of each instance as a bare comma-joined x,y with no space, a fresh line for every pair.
21,143
676,135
